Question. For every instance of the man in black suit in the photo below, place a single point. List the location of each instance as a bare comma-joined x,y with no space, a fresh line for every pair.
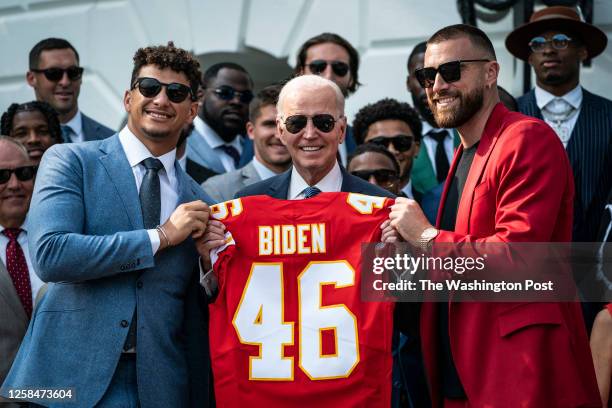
555,42
311,124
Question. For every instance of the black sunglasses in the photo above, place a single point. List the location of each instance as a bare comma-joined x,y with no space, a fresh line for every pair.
558,42
227,93
150,87
383,177
24,173
401,143
56,74
324,122
340,68
450,72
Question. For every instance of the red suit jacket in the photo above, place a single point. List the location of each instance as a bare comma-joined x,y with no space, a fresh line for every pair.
519,189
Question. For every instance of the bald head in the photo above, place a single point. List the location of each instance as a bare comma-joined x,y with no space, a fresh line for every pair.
307,84
11,148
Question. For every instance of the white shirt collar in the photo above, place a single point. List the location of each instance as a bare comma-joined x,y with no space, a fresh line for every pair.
136,151
573,97
212,138
426,128
408,190
76,124
264,172
331,183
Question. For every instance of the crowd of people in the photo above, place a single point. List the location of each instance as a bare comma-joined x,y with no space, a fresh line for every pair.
113,249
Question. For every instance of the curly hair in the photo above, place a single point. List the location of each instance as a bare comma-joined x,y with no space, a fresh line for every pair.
6,122
383,110
334,39
169,56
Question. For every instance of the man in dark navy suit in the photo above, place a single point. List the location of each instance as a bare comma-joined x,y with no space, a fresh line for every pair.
312,125
555,42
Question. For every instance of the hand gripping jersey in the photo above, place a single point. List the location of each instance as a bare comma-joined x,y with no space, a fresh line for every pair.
288,328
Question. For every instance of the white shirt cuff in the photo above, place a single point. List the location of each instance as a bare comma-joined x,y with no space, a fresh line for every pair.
208,280
154,237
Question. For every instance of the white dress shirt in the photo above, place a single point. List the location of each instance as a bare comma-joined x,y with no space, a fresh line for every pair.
431,144
332,182
215,142
263,172
22,240
136,152
76,125
408,190
573,97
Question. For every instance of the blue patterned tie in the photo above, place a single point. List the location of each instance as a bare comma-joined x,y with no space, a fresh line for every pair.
232,152
67,133
311,192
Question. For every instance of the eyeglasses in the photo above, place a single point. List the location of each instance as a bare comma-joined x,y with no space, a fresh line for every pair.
56,74
558,42
450,72
401,143
150,87
324,122
340,68
383,177
24,173
227,93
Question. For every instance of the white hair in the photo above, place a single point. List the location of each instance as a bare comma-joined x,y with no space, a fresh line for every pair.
20,146
309,81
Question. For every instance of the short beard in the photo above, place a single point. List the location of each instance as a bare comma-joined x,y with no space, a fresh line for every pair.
155,135
469,104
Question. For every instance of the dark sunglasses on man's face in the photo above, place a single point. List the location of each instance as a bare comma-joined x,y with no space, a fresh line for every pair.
340,68
558,42
56,74
450,72
401,143
324,122
151,87
227,93
24,173
383,177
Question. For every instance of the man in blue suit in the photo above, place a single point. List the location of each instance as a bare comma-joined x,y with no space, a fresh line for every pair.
556,42
56,77
112,227
219,141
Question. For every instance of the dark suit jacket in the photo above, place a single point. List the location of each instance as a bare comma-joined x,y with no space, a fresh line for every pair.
197,172
93,130
278,186
590,154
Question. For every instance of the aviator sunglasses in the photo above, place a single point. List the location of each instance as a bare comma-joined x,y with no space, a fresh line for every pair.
383,177
324,122
227,93
450,72
24,173
340,68
558,42
401,143
150,87
56,74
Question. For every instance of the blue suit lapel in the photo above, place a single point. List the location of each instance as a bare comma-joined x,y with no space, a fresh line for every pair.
247,151
279,188
202,153
186,193
120,173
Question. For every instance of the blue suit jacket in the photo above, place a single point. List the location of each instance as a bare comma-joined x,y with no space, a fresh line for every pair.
88,239
202,153
278,186
590,154
93,130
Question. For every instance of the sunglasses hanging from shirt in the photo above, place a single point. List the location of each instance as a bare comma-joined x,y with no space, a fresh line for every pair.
151,87
24,173
401,143
340,68
56,74
324,122
449,71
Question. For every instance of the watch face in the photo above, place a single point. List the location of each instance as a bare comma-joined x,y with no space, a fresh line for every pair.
430,233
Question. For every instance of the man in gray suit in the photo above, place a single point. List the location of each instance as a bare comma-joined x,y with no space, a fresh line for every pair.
271,156
19,284
56,77
111,227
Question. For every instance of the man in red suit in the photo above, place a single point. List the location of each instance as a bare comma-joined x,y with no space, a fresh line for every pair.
510,181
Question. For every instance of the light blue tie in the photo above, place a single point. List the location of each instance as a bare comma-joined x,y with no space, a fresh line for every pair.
311,192
67,133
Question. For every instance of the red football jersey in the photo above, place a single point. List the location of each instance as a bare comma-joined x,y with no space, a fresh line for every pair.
288,327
